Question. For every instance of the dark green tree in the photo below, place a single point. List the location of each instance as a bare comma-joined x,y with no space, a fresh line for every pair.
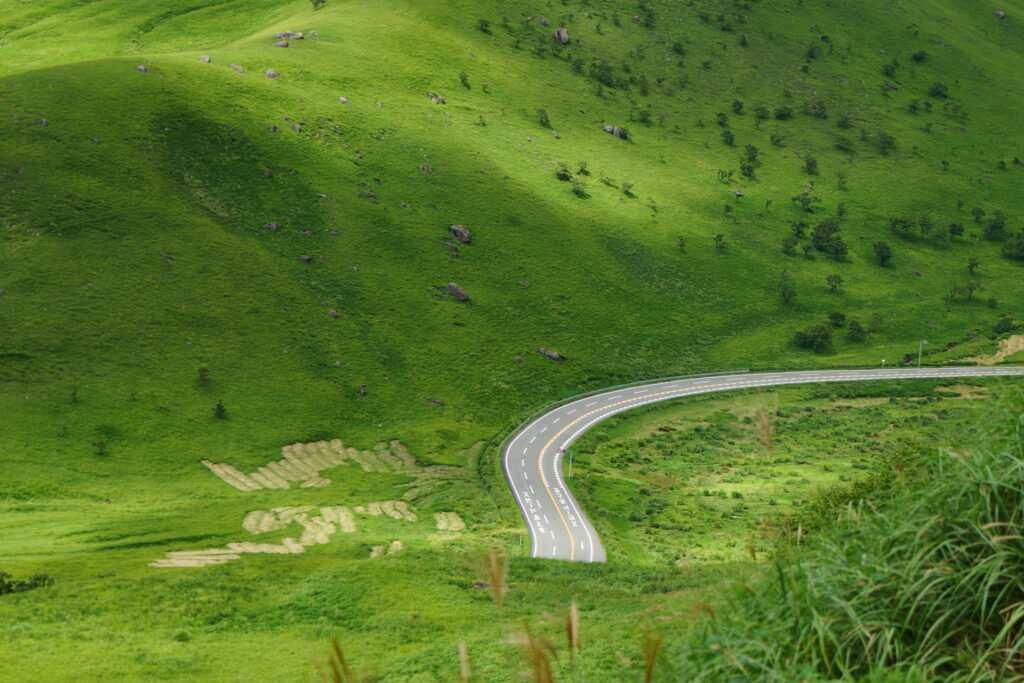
817,337
882,252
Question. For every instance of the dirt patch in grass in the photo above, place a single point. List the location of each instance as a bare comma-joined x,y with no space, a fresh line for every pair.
1007,347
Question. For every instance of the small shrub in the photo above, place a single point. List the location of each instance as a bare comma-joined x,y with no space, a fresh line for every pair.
317,4
939,90
783,113
484,25
219,411
817,337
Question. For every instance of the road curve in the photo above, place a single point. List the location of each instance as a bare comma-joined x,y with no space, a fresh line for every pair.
532,460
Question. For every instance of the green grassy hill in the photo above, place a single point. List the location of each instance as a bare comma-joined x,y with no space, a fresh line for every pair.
137,183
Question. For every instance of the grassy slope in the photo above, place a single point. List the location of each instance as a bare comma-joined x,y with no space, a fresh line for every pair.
91,305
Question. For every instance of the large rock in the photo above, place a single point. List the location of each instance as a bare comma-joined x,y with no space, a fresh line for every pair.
456,292
271,226
620,133
143,68
553,355
204,58
238,68
460,232
342,99
272,75
281,43
562,35
1000,15
435,98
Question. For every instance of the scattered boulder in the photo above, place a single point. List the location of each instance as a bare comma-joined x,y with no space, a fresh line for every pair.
281,43
305,258
333,313
890,86
313,33
543,21
362,390
553,355
562,35
266,174
204,58
435,401
456,292
271,74
238,68
297,128
273,128
555,135
143,68
342,100
380,105
620,133
1000,14
737,193
435,98
518,360
460,232
270,226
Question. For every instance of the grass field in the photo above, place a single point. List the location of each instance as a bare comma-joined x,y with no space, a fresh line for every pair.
142,282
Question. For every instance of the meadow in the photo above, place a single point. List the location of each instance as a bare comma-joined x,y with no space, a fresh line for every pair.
177,234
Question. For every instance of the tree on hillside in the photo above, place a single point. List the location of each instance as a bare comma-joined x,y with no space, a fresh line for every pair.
817,337
720,243
856,331
786,289
789,245
317,4
882,252
972,264
825,238
833,281
542,116
810,165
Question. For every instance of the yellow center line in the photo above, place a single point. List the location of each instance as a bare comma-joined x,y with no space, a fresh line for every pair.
540,458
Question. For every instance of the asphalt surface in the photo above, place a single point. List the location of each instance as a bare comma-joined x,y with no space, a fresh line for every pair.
533,459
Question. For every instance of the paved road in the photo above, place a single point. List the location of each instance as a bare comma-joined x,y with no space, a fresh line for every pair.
532,461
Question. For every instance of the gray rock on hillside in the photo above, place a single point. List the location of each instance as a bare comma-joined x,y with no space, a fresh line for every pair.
238,68
204,58
435,98
460,232
562,35
1000,15
553,355
273,128
543,21
456,292
143,68
270,226
281,43
620,133
272,75
342,100
305,258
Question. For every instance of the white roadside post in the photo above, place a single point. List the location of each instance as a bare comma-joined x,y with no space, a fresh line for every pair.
919,347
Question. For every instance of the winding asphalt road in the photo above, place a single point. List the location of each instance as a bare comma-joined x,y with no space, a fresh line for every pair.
532,460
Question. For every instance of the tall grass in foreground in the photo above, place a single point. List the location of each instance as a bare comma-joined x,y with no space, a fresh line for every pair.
929,586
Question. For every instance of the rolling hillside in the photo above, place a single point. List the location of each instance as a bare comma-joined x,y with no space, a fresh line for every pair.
192,215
